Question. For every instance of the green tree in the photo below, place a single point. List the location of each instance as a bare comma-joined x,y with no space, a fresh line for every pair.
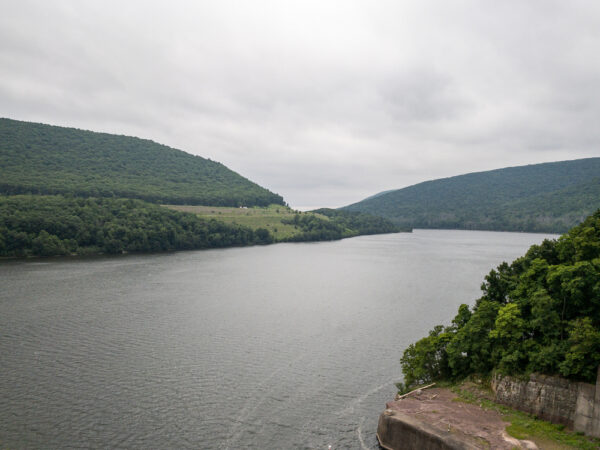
581,360
426,360
46,244
540,313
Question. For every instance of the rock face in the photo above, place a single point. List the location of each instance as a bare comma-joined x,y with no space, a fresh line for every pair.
574,404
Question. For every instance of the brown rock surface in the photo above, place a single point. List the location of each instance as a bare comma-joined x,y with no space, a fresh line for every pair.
436,413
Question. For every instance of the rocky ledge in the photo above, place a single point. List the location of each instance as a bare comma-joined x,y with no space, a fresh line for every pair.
433,419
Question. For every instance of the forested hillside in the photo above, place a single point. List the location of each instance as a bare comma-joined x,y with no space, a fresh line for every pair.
337,225
549,197
539,314
67,191
44,159
360,223
287,225
53,225
43,225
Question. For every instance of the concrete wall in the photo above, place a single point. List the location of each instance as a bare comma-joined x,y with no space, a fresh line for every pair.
402,431
574,404
586,413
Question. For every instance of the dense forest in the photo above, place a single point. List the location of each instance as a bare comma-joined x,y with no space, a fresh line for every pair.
43,159
549,197
358,223
36,225
52,225
314,228
67,191
337,225
539,314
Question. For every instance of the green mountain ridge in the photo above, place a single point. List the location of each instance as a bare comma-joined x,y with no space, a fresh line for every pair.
65,191
44,159
547,197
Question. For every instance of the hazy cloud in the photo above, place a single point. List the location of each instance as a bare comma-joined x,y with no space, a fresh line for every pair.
323,102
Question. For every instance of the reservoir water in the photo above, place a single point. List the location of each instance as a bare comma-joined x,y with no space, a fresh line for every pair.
282,346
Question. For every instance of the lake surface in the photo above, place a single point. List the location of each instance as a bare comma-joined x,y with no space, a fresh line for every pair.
282,346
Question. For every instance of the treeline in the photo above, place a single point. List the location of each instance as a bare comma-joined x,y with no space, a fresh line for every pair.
337,225
52,225
549,197
56,225
48,160
539,314
360,223
314,228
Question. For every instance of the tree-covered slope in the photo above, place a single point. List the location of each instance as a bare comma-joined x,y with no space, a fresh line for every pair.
43,159
549,197
51,225
357,223
539,314
288,225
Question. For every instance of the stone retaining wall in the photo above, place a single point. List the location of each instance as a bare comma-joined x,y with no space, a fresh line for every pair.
574,404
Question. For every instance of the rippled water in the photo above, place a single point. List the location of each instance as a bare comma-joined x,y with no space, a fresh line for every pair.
283,346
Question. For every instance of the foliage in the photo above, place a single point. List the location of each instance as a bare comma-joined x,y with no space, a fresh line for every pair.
549,197
270,218
426,360
314,228
360,223
583,343
328,224
287,225
44,159
539,314
57,225
46,162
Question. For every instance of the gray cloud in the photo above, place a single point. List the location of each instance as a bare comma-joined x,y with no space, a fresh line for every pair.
323,102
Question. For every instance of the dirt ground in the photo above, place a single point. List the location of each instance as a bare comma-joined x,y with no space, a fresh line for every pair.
437,407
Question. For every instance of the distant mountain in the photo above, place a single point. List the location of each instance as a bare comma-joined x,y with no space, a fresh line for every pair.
43,159
548,197
379,194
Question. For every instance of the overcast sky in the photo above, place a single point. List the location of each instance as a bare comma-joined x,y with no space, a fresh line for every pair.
323,102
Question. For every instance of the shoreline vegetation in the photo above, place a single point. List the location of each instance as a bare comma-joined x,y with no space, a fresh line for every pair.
65,191
39,225
541,314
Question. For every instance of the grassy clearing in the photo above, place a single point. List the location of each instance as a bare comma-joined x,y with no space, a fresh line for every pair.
546,435
257,217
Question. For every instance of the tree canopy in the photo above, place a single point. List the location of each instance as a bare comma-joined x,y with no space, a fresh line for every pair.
68,191
359,223
51,225
36,225
539,314
43,159
549,197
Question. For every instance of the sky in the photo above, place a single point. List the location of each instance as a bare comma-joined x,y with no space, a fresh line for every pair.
323,102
